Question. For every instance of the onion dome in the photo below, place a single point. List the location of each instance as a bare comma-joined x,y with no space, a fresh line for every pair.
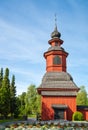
55,33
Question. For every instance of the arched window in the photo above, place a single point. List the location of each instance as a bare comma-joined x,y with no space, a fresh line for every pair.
56,60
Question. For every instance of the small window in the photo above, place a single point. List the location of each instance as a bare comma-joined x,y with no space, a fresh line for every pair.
56,43
56,60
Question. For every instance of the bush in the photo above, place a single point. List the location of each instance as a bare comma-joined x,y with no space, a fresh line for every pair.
77,116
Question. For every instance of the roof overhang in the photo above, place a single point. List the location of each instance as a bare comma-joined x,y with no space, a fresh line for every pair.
59,106
81,107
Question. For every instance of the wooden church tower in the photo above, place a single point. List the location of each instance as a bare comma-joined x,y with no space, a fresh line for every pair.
58,90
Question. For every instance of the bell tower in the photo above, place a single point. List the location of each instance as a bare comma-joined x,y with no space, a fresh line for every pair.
56,55
57,89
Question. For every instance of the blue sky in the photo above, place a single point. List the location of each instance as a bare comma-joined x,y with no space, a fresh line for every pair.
25,28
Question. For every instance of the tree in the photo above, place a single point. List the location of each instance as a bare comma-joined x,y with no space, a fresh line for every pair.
22,103
82,96
38,103
12,96
32,100
5,94
17,108
1,77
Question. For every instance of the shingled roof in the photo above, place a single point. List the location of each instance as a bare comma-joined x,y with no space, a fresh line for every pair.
61,82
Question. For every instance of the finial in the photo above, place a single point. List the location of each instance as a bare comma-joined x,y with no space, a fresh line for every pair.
55,20
55,33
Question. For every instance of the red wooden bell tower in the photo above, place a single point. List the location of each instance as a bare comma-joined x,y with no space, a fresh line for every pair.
58,90
55,56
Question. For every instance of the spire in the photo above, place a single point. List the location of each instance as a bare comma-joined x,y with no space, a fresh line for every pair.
55,22
55,33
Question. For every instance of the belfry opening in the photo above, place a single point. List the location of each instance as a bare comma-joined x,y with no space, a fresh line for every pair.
57,89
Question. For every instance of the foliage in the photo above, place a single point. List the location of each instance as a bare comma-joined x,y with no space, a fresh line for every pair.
22,103
5,94
82,96
1,77
17,108
77,116
27,103
12,96
8,100
38,103
32,100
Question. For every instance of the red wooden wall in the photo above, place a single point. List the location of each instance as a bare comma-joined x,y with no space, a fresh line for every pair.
85,114
48,112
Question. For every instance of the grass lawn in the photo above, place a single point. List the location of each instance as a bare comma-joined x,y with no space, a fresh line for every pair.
8,120
18,119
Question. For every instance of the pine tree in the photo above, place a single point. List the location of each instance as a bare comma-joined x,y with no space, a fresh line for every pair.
1,77
5,94
12,96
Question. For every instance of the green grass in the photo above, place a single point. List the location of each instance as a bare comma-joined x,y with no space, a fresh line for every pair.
19,118
7,120
31,115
